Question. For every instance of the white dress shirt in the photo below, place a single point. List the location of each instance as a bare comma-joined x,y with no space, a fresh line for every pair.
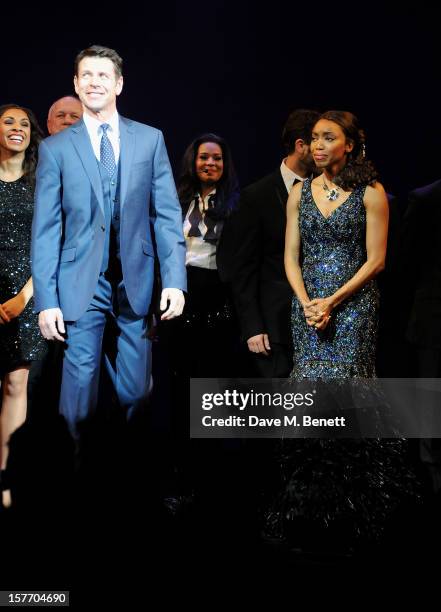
200,253
288,176
95,133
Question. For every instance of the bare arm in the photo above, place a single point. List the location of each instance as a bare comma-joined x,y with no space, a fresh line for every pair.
13,307
28,290
292,246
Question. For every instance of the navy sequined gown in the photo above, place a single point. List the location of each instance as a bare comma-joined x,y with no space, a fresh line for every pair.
343,487
20,340
333,249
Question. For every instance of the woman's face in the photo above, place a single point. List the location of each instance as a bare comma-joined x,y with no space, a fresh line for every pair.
15,131
209,163
329,145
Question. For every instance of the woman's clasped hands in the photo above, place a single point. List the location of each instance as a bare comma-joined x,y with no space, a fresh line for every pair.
318,312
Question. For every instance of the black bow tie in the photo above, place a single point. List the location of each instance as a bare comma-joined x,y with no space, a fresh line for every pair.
196,216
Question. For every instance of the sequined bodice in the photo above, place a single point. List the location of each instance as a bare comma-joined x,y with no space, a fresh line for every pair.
16,209
333,248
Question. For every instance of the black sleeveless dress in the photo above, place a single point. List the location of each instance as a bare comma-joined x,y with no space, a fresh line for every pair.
20,340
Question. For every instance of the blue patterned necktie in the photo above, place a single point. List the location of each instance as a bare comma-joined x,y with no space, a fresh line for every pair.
107,155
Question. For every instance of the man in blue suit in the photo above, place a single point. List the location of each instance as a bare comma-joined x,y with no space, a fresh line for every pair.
99,185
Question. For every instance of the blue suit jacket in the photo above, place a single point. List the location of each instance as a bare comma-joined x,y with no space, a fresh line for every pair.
68,231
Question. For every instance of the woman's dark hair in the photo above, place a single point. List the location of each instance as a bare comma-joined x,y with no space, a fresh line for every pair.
31,153
227,188
358,170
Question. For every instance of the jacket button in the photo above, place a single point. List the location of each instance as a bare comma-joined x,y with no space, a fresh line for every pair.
103,228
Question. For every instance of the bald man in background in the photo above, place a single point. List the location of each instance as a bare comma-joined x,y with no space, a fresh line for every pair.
63,113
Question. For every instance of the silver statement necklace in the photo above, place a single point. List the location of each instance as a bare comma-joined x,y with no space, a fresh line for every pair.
332,194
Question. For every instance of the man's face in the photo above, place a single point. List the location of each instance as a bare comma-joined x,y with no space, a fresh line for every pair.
63,113
306,158
97,85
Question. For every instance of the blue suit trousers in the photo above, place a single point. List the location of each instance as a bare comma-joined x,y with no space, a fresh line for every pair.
129,371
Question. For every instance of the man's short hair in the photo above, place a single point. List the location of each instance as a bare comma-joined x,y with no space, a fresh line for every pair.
299,125
99,51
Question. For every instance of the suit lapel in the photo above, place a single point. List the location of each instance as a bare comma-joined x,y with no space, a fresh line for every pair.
83,146
282,194
127,149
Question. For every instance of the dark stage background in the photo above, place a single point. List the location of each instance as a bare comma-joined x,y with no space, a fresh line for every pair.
238,69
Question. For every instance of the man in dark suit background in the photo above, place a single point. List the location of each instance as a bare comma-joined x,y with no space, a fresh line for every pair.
421,264
392,351
422,259
261,290
99,182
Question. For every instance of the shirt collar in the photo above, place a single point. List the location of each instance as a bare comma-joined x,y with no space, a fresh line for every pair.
94,125
212,192
288,176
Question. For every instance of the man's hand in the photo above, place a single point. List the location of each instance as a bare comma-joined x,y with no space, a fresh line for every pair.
51,324
259,344
175,299
13,307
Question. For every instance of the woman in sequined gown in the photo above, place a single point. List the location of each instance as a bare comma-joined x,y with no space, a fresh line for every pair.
335,246
339,223
20,339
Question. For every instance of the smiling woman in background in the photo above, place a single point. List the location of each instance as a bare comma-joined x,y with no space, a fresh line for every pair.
208,192
20,340
204,341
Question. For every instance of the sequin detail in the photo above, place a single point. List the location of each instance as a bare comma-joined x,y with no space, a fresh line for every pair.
345,487
333,249
20,340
